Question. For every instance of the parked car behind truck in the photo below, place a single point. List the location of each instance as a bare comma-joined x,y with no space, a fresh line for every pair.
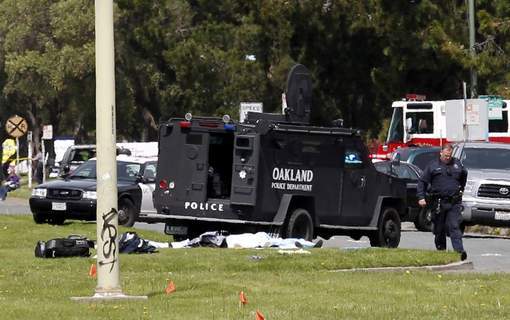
410,174
418,156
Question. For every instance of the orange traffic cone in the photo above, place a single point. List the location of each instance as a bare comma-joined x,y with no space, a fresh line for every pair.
259,316
93,270
242,298
170,287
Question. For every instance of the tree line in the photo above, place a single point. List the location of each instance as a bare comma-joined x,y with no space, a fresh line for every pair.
205,57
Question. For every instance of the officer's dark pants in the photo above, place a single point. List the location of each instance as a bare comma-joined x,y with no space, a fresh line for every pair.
448,221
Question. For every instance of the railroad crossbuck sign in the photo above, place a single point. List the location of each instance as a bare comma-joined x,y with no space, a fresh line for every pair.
16,126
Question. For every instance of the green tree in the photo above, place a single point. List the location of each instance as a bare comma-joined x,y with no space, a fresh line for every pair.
49,49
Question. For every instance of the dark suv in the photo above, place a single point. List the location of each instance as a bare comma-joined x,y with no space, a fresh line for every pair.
79,154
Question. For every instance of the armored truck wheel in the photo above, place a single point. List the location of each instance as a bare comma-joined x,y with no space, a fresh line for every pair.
127,212
423,221
300,225
39,217
388,230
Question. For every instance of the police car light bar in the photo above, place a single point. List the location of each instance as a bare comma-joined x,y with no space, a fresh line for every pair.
185,124
229,127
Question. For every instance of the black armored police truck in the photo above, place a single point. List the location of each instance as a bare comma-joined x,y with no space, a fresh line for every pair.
274,173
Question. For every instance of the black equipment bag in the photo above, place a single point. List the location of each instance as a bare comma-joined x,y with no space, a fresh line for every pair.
72,246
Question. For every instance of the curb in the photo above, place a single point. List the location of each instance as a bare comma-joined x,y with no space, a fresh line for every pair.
483,236
455,266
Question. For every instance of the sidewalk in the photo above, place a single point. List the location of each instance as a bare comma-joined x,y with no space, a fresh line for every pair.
13,205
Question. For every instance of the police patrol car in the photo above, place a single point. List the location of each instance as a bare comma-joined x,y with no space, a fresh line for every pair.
274,173
75,196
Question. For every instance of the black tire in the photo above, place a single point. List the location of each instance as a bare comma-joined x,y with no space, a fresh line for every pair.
300,225
127,212
56,220
388,230
423,221
39,218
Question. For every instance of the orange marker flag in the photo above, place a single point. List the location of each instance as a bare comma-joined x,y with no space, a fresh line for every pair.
242,298
259,316
170,287
93,270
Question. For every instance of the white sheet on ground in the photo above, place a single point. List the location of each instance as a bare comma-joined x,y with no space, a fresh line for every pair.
255,240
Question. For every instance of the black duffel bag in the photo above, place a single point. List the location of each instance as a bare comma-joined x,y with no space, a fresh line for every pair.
72,246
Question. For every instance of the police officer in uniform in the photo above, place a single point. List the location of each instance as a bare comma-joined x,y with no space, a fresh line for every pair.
447,178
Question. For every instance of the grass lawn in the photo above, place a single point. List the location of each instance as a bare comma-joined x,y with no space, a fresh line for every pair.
208,282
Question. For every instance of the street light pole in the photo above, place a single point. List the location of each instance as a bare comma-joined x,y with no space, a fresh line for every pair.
107,218
108,264
474,80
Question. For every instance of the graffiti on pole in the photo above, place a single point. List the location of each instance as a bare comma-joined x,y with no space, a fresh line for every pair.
108,237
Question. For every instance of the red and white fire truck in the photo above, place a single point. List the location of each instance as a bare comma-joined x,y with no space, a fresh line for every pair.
418,122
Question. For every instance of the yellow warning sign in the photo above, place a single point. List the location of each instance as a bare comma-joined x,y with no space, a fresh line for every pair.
16,126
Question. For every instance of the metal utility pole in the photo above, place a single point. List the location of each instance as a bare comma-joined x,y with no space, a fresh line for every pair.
108,264
107,219
474,81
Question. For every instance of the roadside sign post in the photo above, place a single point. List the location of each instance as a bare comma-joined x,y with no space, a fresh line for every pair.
17,155
43,161
495,105
246,107
29,139
47,135
16,127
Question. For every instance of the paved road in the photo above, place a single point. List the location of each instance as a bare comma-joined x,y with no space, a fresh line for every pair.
14,206
488,254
